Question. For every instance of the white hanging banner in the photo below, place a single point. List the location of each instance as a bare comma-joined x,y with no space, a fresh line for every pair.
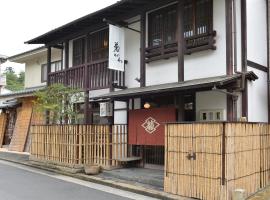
117,48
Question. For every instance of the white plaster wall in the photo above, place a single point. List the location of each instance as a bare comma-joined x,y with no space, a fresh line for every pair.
33,69
257,31
163,71
210,63
132,54
211,100
257,98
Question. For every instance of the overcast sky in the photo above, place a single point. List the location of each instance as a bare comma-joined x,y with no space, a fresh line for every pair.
22,20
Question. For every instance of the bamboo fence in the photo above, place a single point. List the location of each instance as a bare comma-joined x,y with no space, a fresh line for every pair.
79,144
210,160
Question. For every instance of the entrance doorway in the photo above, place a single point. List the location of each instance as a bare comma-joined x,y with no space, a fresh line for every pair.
150,145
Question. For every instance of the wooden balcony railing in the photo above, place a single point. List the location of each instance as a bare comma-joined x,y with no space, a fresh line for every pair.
193,44
90,76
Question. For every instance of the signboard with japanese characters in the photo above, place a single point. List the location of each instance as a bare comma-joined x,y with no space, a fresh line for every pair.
117,48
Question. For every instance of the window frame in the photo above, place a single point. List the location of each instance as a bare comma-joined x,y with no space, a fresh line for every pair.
44,70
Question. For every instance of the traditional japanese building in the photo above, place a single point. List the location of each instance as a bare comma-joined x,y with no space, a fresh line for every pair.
186,60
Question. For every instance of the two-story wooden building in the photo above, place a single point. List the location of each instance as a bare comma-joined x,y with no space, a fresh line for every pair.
185,60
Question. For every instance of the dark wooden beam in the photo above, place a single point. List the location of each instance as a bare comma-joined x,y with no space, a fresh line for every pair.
229,54
230,110
142,61
229,45
66,59
244,56
257,66
49,57
181,41
87,119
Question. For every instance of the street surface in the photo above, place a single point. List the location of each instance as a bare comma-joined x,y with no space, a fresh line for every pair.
19,182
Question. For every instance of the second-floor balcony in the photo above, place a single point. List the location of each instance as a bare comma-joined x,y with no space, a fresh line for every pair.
89,76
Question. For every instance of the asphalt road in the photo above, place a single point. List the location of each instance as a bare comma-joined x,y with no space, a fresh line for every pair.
19,182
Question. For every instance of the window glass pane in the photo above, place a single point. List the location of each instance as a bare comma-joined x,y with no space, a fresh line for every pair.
44,73
52,67
156,30
202,16
170,26
188,19
100,45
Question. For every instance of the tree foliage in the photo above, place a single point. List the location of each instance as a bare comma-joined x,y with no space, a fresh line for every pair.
14,82
57,101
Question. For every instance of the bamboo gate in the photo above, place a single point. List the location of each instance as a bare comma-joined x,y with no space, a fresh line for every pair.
210,160
77,145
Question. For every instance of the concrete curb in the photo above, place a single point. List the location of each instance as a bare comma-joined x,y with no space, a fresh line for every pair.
114,184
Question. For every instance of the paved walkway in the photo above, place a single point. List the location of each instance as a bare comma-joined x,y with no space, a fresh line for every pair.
262,195
125,179
26,183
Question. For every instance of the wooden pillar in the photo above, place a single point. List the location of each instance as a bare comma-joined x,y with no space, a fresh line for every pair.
268,60
244,55
66,60
230,110
229,54
179,104
87,118
143,44
49,57
181,41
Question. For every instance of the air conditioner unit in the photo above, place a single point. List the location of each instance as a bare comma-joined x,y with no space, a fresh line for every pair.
212,115
106,109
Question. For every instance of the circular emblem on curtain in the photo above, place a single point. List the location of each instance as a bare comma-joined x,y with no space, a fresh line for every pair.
150,125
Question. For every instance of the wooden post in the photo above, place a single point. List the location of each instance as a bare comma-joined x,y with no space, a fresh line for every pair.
49,57
244,55
66,60
229,55
142,64
181,41
86,85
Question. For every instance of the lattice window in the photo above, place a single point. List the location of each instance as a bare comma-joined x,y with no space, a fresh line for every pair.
99,44
162,26
162,29
197,17
163,22
78,51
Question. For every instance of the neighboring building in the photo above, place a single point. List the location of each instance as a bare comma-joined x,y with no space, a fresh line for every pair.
17,106
194,60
